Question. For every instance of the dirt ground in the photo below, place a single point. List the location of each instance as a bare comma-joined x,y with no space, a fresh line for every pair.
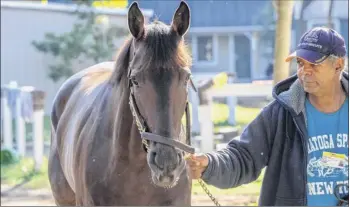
26,197
43,197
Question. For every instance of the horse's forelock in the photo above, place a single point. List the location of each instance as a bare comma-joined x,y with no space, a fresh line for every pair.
164,48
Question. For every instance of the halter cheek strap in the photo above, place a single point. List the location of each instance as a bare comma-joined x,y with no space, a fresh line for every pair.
188,124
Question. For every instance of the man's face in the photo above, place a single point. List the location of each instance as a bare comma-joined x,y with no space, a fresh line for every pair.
317,79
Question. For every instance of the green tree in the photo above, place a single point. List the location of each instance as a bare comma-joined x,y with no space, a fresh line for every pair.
91,38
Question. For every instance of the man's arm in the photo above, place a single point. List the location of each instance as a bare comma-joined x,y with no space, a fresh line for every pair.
242,160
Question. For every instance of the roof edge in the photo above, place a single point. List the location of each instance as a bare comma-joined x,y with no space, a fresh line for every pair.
69,8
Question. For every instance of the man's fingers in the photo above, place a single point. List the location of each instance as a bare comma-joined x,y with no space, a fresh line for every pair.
197,160
196,164
203,159
196,173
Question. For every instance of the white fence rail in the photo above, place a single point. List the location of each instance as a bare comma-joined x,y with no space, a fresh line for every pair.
255,89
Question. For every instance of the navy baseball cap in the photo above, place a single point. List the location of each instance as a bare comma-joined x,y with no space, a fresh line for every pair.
319,43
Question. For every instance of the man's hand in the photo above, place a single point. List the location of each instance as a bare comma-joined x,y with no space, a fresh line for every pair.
197,165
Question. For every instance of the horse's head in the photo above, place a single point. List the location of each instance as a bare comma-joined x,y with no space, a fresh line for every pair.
159,75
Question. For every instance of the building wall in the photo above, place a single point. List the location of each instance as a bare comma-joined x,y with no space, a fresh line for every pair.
222,58
21,23
316,14
210,13
344,30
319,9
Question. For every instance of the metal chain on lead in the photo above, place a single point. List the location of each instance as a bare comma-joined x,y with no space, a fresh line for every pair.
206,190
200,181
182,133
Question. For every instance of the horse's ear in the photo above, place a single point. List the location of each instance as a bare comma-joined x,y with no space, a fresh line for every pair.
181,19
136,21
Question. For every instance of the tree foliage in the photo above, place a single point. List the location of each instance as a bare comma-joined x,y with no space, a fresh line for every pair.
90,39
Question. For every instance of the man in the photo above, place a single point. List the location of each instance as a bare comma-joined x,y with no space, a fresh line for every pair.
301,137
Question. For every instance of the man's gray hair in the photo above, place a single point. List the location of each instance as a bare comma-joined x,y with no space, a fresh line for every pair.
334,58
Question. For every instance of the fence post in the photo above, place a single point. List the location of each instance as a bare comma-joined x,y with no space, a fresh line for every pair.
194,112
38,127
204,113
7,121
20,127
207,129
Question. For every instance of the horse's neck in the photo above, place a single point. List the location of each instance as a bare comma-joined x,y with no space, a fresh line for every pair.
126,141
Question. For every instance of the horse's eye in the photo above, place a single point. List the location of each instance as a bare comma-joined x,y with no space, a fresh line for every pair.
187,79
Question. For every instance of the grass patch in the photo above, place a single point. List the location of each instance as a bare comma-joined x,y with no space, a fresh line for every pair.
243,115
16,173
246,115
220,114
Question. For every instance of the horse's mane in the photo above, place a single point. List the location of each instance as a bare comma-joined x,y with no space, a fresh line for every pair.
122,62
162,49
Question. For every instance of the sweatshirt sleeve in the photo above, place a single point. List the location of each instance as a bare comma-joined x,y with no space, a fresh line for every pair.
242,160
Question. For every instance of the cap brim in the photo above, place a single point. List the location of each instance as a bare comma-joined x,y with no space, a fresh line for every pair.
308,55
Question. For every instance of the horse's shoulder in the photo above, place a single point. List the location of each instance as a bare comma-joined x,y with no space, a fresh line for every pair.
96,75
82,82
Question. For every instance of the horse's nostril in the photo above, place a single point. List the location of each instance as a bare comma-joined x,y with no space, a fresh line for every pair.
157,160
154,154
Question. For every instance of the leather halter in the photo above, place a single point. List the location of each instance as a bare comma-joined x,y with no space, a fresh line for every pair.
144,128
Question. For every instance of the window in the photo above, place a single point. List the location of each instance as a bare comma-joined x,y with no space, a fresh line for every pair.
205,48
